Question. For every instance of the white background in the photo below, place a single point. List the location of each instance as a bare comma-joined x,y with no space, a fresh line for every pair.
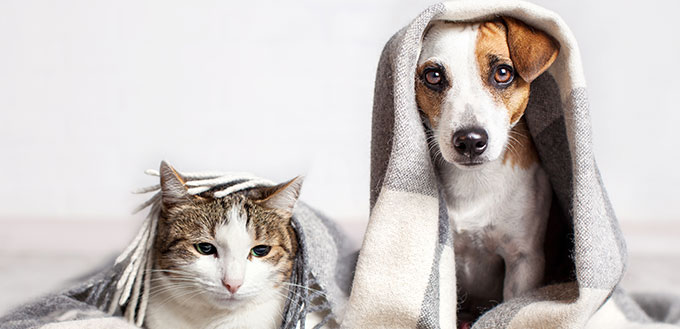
94,92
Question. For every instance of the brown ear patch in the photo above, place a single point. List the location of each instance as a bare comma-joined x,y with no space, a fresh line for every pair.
532,50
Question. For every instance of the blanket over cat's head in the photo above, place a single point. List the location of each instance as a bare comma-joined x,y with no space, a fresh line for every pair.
198,221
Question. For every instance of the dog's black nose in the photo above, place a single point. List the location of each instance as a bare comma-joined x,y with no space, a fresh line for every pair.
470,142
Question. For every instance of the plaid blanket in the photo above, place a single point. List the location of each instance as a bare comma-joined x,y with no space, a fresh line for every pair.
405,275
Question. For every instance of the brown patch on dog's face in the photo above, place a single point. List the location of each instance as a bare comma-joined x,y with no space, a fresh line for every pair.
521,151
430,97
493,56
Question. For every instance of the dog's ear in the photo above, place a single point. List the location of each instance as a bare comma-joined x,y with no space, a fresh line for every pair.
532,51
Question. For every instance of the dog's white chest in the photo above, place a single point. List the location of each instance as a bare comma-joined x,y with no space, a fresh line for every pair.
498,216
497,196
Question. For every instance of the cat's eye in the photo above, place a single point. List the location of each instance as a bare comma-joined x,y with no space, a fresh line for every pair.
260,250
205,248
503,74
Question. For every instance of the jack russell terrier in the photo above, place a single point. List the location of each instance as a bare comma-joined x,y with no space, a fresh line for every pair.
472,87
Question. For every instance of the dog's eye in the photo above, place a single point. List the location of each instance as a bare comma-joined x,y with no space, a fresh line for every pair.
433,76
503,74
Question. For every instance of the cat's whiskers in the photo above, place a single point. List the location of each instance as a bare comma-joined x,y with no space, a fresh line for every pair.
171,288
186,296
285,296
195,280
316,291
183,291
181,276
172,280
154,270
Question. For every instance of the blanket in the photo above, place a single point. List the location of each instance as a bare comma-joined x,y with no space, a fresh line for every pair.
405,275
116,296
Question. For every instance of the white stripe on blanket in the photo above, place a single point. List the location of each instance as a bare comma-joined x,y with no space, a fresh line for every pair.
402,268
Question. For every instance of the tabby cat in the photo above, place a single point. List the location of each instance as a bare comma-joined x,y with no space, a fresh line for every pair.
222,262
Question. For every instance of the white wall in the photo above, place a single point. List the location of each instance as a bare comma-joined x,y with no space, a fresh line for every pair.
93,92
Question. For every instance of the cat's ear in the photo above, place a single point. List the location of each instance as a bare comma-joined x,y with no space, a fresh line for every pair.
281,197
173,190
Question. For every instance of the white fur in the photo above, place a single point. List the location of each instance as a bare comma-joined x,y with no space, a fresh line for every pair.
502,208
200,300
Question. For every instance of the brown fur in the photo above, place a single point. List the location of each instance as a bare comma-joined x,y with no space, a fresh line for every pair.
532,50
521,150
492,45
181,226
428,100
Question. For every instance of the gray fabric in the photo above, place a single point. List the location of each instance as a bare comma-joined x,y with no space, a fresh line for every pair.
430,310
545,120
399,163
558,119
505,312
327,259
659,307
320,241
87,300
629,307
409,171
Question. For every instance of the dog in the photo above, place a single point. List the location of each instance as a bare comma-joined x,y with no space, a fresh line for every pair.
472,87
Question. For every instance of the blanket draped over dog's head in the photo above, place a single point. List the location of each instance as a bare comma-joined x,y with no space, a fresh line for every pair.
405,276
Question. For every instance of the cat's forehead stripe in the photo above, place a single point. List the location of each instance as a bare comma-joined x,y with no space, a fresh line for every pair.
237,213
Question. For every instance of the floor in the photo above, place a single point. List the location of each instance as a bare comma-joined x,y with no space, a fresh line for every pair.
41,256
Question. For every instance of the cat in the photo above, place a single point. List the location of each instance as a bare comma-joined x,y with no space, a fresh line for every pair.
222,262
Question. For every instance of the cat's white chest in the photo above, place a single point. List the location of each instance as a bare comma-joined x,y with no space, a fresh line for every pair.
193,312
263,315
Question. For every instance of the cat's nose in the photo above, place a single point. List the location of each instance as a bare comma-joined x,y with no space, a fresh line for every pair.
232,284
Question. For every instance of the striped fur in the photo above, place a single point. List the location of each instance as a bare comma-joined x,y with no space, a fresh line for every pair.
182,227
191,289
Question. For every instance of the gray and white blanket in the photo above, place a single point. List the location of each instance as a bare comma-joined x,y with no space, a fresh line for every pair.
405,275
116,297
